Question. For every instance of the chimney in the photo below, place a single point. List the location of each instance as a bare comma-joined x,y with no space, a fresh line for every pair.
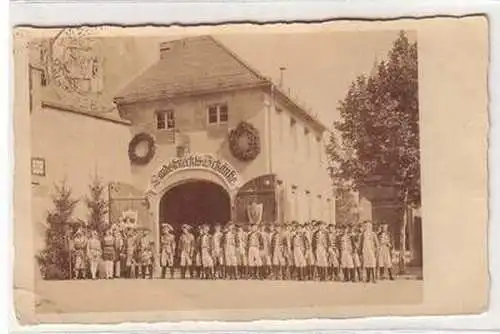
282,70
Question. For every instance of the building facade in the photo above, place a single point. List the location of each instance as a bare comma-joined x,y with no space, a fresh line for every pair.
200,100
201,137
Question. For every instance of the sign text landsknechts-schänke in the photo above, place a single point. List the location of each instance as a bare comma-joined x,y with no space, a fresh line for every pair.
197,161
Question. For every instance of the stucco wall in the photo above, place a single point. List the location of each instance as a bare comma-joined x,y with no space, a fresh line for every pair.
298,158
191,121
75,148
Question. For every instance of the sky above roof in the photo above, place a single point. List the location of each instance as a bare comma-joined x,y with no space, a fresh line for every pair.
320,66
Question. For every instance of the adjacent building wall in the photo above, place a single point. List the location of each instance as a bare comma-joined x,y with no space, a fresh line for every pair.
75,148
299,160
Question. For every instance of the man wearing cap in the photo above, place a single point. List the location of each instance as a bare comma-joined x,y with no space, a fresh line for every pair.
309,229
119,245
241,252
265,250
346,258
197,254
369,245
167,250
287,245
333,253
321,250
217,253
130,246
79,246
277,248
254,245
356,251
384,252
144,254
229,245
207,263
298,251
108,253
186,249
94,252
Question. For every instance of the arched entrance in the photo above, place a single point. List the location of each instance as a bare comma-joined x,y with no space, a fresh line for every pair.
195,202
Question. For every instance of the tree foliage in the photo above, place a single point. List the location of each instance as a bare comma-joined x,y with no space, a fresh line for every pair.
346,208
54,259
377,136
97,205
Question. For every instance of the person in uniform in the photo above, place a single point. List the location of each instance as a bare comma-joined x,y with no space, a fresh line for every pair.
207,263
298,251
229,246
346,254
94,252
384,252
333,253
119,247
309,229
186,249
356,251
265,254
287,245
151,259
277,251
130,250
79,248
108,253
241,247
144,253
217,253
167,250
254,245
321,250
198,273
369,245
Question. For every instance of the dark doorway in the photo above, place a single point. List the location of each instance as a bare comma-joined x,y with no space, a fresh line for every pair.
195,203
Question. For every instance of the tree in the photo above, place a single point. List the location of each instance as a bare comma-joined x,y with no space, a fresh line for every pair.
346,207
378,128
54,259
97,205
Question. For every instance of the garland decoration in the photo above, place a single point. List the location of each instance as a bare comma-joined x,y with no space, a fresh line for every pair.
244,142
132,149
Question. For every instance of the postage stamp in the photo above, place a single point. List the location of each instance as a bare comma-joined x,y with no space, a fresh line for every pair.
240,172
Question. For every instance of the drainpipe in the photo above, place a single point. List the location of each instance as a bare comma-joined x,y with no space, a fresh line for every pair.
270,109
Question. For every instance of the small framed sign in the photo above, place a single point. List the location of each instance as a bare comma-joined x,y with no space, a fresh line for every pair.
38,166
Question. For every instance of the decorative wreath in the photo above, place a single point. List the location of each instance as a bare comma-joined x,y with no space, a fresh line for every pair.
132,149
244,142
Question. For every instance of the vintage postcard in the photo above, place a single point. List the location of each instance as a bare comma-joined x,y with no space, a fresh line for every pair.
242,172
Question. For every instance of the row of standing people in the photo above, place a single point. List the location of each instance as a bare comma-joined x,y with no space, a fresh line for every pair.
307,251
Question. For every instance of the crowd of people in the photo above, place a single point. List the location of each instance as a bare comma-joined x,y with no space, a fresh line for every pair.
293,251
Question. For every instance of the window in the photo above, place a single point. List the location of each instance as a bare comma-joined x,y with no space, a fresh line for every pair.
218,114
165,120
307,144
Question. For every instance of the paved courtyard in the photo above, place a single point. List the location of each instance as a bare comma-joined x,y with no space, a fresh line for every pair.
122,295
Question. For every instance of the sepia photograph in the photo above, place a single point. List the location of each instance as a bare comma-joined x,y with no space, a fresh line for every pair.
186,170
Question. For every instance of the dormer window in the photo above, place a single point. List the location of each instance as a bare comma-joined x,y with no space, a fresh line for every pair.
165,120
218,114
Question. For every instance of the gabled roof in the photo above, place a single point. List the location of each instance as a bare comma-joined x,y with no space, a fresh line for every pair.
190,65
197,65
